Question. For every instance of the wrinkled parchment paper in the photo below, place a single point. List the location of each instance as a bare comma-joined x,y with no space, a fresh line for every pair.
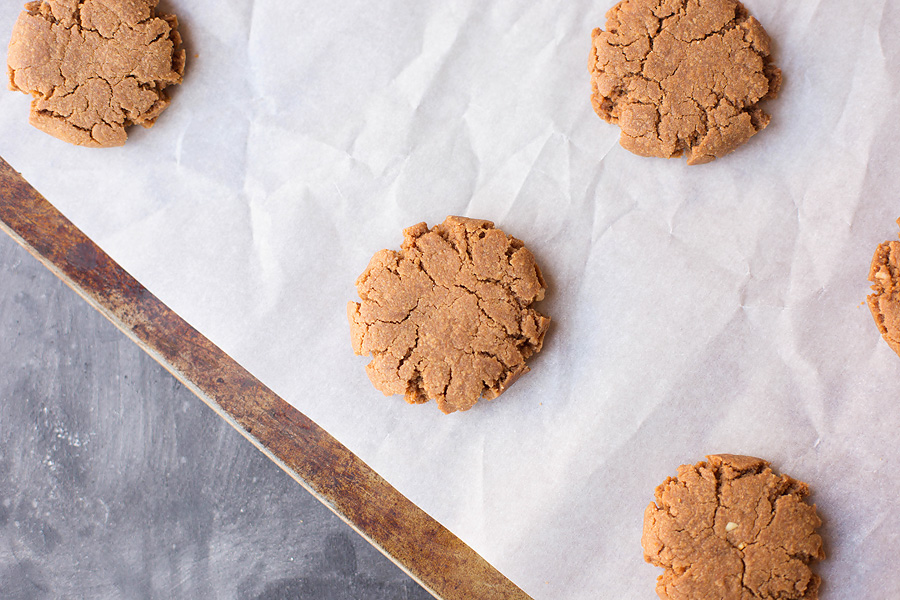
716,308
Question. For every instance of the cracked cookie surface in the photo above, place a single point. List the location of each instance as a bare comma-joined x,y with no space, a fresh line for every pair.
94,67
730,528
682,76
884,301
449,317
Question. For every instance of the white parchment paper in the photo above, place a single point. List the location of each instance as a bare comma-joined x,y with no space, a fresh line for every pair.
716,308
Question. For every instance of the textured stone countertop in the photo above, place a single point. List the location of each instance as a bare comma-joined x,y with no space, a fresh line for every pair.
117,482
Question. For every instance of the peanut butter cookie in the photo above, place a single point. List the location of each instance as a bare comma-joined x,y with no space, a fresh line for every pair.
94,67
884,302
682,76
731,529
449,317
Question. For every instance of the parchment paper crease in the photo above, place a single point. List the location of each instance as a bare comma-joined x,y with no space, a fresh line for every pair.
717,308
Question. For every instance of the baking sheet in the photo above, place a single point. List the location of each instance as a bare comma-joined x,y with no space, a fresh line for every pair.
717,308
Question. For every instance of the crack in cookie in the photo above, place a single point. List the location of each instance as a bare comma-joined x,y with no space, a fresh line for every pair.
730,528
94,67
449,317
682,76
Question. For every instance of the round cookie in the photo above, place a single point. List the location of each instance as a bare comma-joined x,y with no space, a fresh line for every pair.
449,317
884,302
682,76
731,529
94,67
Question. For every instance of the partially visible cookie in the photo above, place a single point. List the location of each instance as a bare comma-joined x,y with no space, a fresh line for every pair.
449,317
884,301
94,67
682,76
731,529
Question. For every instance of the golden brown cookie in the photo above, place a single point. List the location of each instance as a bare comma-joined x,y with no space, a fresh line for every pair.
884,301
682,76
94,67
449,317
731,529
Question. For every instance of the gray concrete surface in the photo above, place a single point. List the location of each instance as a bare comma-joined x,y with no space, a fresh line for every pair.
117,482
